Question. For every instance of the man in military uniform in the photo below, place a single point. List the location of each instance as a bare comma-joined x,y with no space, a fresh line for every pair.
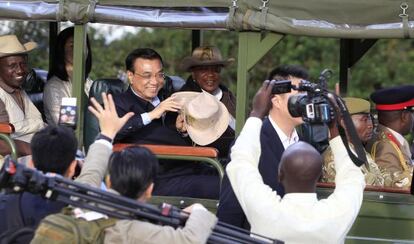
390,149
359,109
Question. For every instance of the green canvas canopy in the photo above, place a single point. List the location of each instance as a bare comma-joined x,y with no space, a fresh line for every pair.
324,18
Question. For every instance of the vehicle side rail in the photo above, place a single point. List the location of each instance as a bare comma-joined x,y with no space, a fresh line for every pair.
200,154
370,188
5,130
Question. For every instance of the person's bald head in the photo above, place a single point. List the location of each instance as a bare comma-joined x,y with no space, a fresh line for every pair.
300,168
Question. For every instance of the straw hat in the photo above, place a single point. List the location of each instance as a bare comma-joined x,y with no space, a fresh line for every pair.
202,56
10,45
205,117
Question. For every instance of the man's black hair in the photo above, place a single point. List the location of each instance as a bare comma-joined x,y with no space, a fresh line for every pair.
132,170
53,149
284,71
57,67
144,53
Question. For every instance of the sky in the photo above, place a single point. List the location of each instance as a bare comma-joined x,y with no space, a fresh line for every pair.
111,32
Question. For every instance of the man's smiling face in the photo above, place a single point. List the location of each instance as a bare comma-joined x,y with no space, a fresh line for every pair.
13,70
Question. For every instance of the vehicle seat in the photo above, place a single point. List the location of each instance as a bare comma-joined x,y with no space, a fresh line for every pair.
33,85
91,125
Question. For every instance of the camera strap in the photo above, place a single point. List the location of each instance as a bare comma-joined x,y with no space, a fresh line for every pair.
360,158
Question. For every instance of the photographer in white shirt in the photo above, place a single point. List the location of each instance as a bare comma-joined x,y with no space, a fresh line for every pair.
298,217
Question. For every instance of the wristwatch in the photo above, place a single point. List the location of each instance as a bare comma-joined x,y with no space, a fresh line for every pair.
103,137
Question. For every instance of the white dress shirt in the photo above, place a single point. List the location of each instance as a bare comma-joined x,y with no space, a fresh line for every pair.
298,217
286,140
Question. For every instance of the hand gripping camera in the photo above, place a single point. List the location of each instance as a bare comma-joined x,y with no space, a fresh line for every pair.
311,103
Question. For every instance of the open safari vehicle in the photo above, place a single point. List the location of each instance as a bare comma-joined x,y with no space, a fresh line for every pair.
387,214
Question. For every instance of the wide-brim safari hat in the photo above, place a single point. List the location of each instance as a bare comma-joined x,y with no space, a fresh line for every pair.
184,97
10,45
205,117
204,56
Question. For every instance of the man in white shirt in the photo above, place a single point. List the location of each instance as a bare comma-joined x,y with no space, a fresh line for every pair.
16,107
298,217
277,133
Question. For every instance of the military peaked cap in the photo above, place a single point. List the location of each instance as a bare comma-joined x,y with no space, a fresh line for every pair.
394,98
357,105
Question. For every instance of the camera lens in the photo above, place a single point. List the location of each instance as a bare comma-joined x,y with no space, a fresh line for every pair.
296,103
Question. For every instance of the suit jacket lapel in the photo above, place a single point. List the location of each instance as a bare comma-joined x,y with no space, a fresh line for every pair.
272,149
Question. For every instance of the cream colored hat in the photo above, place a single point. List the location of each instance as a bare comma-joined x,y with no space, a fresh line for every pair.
206,118
184,97
10,45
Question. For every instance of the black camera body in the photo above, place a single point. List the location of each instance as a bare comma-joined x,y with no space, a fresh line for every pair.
311,104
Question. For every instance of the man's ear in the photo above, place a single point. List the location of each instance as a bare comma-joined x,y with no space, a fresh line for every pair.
148,193
30,164
275,101
130,76
70,172
342,122
405,116
108,182
280,176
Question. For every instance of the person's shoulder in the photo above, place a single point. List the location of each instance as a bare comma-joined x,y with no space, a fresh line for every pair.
122,97
54,83
136,229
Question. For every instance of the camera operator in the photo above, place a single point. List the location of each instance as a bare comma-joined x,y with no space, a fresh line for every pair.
277,133
131,174
299,216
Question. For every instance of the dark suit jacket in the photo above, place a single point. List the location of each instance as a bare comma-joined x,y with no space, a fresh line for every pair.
229,210
134,131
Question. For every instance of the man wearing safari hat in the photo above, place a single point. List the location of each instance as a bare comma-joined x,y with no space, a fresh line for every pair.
359,109
15,105
390,150
205,65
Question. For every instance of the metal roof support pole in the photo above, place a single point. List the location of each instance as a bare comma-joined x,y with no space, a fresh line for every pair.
53,33
252,47
351,51
78,82
196,39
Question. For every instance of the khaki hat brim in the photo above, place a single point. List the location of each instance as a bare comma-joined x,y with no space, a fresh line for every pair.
205,137
27,46
184,97
189,62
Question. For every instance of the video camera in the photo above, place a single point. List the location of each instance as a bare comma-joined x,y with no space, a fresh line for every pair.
313,106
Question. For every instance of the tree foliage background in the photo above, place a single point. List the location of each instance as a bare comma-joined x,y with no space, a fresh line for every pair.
387,63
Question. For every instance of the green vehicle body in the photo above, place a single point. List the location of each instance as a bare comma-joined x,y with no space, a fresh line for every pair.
385,217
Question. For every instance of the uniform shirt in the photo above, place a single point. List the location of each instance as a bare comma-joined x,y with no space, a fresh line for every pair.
373,176
298,217
403,142
391,156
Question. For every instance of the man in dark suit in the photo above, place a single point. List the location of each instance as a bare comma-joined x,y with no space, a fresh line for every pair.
277,133
146,98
